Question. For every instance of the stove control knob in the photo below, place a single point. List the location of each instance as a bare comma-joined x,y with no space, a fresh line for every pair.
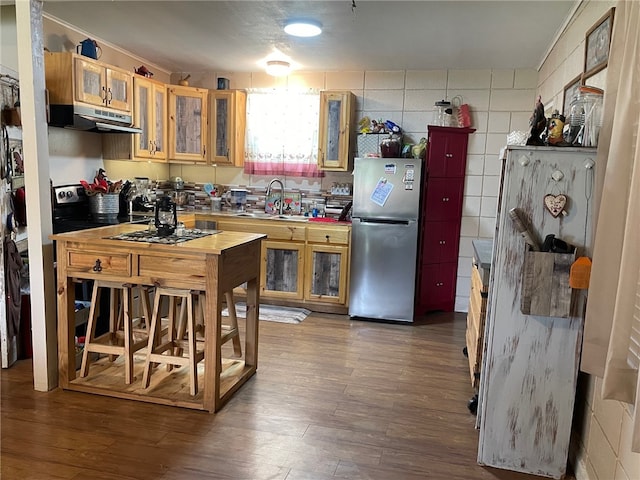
69,194
61,195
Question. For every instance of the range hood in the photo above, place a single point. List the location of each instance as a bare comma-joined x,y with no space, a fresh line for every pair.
91,119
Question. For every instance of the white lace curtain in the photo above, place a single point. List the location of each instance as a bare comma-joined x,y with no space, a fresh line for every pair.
612,329
282,132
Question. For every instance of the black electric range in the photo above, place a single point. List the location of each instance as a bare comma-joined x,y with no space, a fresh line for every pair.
71,211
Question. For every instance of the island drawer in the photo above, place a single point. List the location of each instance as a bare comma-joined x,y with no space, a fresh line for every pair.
156,265
328,235
93,262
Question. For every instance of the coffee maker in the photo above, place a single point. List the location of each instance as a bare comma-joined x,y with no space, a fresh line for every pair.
140,197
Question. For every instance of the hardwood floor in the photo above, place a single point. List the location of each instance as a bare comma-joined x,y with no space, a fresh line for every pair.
332,398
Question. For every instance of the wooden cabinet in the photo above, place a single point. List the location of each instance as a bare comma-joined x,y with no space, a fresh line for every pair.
335,137
187,124
227,125
327,264
100,84
282,271
73,79
150,115
442,198
476,317
303,264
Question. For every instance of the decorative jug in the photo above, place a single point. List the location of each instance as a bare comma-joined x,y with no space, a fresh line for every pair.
89,48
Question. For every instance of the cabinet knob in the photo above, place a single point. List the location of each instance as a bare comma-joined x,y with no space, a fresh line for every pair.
97,267
327,237
445,199
448,155
442,242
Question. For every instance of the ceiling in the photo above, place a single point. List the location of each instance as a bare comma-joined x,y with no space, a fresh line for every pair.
237,36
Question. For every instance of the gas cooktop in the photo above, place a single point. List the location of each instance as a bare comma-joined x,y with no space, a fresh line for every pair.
152,237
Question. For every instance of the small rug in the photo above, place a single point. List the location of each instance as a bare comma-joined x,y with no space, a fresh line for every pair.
273,313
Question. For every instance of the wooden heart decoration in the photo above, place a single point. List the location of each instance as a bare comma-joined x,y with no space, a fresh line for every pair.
555,204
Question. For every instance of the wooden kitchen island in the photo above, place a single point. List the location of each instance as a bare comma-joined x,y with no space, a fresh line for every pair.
213,264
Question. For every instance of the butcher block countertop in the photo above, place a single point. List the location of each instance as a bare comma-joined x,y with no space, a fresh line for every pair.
213,264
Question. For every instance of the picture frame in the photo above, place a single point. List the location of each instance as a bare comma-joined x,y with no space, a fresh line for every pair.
570,89
597,43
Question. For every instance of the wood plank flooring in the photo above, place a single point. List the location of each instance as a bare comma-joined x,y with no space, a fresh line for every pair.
332,398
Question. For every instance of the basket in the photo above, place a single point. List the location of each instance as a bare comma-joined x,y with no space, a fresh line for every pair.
104,206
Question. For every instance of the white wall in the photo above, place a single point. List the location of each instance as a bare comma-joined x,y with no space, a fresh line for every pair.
601,442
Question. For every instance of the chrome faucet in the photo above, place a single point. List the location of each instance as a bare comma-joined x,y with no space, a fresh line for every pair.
270,188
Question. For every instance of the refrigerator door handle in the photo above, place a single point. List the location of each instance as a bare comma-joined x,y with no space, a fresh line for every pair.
386,221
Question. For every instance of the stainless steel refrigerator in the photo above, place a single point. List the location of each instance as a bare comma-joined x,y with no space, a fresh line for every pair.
384,238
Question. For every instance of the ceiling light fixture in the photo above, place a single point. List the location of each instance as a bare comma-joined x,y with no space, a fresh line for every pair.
278,68
303,28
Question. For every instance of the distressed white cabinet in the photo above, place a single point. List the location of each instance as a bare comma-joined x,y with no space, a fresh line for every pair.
530,366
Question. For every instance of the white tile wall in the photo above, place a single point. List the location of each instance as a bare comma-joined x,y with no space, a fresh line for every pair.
603,449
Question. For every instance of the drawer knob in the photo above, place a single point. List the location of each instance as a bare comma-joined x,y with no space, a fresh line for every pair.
97,267
327,237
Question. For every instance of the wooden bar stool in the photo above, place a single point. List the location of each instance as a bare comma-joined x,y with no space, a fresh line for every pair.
122,338
229,331
170,351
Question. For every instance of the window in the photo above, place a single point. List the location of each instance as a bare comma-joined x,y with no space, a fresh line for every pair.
282,133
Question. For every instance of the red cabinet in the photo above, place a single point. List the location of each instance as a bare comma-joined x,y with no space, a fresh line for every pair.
442,198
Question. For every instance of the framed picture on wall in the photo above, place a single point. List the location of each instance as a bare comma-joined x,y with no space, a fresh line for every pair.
570,90
598,40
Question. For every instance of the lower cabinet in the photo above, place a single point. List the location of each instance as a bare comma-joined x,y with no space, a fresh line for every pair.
301,263
326,273
438,287
282,270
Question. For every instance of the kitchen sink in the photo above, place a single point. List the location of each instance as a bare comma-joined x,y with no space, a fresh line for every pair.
295,218
269,216
253,215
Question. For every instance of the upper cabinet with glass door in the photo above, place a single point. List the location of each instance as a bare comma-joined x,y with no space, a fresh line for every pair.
334,135
187,124
227,125
150,113
98,84
73,78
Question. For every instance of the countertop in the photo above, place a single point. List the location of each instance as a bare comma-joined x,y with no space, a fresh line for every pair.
483,251
215,244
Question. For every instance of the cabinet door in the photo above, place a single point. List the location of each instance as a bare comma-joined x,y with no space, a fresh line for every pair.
227,110
119,89
437,287
447,155
282,270
90,78
440,242
336,111
326,273
149,115
443,199
187,124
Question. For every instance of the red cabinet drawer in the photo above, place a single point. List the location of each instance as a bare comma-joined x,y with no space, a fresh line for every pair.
443,199
447,155
441,241
437,289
